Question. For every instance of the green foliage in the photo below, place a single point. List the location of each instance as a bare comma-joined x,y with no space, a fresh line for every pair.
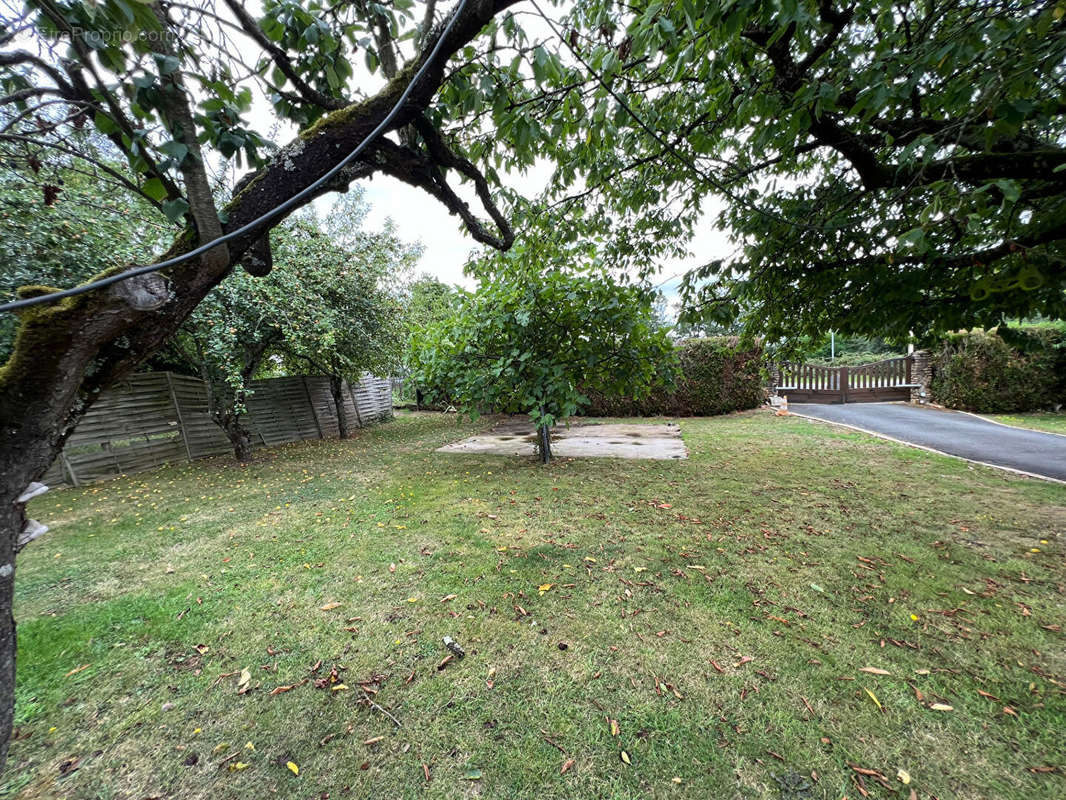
850,351
1016,369
717,376
537,341
428,301
325,307
884,167
352,321
88,228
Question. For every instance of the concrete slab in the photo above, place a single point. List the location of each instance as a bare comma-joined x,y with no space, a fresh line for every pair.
515,436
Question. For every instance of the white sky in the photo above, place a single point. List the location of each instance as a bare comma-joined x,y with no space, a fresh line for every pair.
419,217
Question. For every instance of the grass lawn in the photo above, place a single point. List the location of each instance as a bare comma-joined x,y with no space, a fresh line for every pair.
1038,420
797,611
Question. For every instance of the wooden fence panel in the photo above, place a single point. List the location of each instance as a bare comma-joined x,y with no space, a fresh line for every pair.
202,436
154,418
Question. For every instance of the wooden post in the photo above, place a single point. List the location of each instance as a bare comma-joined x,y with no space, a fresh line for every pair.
844,384
69,469
355,405
311,401
177,412
909,361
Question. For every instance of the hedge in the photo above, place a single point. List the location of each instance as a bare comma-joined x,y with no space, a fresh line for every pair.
716,377
1008,370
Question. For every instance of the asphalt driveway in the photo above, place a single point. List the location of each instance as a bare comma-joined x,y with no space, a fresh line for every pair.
951,432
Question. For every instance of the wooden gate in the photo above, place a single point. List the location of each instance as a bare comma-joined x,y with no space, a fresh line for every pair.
878,382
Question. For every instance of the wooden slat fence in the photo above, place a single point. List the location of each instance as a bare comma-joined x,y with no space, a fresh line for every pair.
154,418
813,383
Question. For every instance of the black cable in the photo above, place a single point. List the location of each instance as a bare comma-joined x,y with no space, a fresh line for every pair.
292,201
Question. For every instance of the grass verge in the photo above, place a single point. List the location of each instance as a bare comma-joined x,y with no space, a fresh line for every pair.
1036,420
791,612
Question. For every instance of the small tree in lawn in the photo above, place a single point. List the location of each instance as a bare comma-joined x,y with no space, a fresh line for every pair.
225,341
324,305
354,325
536,341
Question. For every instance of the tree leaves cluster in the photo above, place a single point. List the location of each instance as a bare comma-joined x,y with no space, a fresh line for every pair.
328,307
537,337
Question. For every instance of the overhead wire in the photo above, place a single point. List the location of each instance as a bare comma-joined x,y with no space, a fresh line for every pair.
266,216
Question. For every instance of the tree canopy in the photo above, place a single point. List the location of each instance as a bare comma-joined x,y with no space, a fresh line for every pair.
536,340
326,307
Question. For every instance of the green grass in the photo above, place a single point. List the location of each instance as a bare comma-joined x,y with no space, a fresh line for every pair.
812,551
1037,420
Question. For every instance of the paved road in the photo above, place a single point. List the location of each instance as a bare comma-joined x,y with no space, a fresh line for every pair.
952,432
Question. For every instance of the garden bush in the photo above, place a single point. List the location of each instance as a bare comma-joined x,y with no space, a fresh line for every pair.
1006,370
717,376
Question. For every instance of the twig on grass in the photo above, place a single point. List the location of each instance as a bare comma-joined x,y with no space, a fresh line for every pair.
376,707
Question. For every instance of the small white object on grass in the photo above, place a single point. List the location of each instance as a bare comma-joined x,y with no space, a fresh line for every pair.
453,645
32,530
32,491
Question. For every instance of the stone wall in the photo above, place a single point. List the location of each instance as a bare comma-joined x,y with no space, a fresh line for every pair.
921,376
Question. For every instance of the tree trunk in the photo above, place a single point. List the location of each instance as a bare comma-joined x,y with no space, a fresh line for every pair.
26,452
239,436
544,444
336,388
12,519
65,356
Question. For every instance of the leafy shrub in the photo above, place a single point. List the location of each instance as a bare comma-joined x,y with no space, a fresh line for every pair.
1010,369
853,359
716,377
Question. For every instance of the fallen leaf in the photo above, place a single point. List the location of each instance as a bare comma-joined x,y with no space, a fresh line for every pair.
76,670
329,606
288,688
244,680
473,774
566,765
614,727
875,671
904,776
941,707
295,770
874,698
237,766
625,757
